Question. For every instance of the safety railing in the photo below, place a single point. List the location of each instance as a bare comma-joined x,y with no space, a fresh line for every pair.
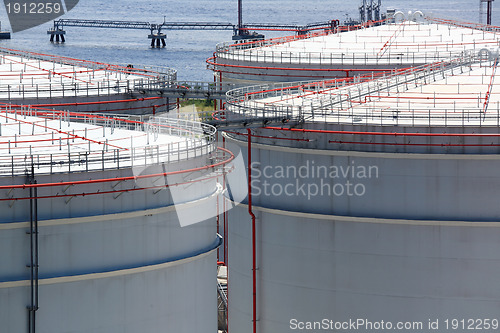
193,139
80,89
332,29
84,78
410,54
470,25
146,70
388,59
332,100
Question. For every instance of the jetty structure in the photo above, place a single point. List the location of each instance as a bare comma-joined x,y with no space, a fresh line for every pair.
4,34
379,192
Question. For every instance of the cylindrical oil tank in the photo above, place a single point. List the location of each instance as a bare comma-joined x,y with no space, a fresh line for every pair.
92,240
337,54
76,85
374,203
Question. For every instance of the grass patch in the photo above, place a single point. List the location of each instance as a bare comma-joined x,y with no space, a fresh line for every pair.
201,104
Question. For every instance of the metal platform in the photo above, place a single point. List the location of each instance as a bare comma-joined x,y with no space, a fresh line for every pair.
4,34
183,89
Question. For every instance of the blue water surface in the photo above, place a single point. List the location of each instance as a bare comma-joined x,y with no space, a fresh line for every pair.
187,51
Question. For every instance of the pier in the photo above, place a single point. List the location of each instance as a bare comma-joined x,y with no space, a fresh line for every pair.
158,37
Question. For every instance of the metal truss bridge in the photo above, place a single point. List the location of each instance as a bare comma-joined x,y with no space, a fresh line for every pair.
184,89
158,37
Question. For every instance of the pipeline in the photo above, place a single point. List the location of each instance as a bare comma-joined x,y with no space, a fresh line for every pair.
226,245
254,252
33,308
83,194
269,137
415,144
346,71
105,180
383,133
87,103
225,215
77,104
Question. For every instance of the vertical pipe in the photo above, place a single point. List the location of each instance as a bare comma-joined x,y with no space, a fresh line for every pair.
488,19
226,233
254,259
215,86
221,105
240,16
226,245
35,213
32,284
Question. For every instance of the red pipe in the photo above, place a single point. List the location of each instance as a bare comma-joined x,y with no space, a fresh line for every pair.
83,194
381,133
94,181
226,245
210,62
226,233
270,137
90,103
254,260
416,144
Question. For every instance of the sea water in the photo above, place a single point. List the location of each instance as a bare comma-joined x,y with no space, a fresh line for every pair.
186,51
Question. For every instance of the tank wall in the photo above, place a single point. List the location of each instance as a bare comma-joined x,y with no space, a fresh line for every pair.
171,298
102,244
140,197
385,140
312,267
379,185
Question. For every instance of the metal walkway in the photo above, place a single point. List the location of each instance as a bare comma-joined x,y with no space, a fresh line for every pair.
239,32
184,89
61,23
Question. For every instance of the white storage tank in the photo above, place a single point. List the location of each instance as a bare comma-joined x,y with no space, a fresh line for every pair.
375,202
413,40
49,81
91,238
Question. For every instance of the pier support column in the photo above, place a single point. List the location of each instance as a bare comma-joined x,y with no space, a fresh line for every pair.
58,34
158,40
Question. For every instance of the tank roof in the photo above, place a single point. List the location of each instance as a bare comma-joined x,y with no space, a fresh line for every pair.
58,141
399,43
27,74
458,92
